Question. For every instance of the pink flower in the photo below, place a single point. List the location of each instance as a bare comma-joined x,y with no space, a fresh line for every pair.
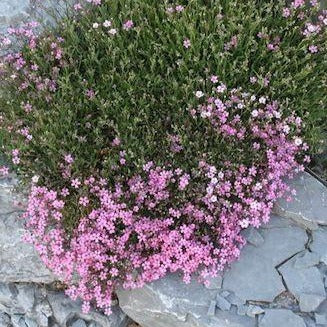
69,158
286,12
313,48
4,171
128,25
214,79
186,43
75,183
84,201
179,8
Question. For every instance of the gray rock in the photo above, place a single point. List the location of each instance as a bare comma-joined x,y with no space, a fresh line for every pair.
223,319
167,302
30,322
225,293
222,303
306,260
64,310
253,276
4,320
215,283
254,310
321,319
212,309
242,310
19,262
302,281
18,320
319,242
79,323
233,299
281,318
253,237
309,207
310,302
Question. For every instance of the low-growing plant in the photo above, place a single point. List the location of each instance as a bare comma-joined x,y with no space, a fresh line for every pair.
153,132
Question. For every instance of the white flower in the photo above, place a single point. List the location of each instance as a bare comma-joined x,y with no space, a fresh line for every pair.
253,98
277,114
286,129
213,199
297,141
107,23
240,106
262,100
258,186
199,94
214,180
35,179
255,113
221,175
113,31
95,25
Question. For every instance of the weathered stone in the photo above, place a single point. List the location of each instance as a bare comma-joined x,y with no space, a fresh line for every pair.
310,302
64,310
19,262
241,310
306,260
319,242
302,281
215,283
167,302
253,276
224,293
281,318
212,309
222,303
253,236
233,299
321,319
18,320
79,323
4,320
30,322
224,319
254,310
309,206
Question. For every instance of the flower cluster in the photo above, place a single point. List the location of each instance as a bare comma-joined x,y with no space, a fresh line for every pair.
151,136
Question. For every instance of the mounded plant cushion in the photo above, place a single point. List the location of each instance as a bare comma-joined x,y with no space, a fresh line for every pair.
154,132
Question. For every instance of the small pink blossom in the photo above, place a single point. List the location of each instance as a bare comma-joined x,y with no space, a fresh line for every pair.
84,201
128,25
214,79
186,43
313,49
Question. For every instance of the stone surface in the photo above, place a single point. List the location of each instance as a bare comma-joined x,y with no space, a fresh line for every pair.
319,242
254,276
215,283
18,261
253,236
212,308
306,260
309,206
29,305
281,318
222,303
310,302
302,281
